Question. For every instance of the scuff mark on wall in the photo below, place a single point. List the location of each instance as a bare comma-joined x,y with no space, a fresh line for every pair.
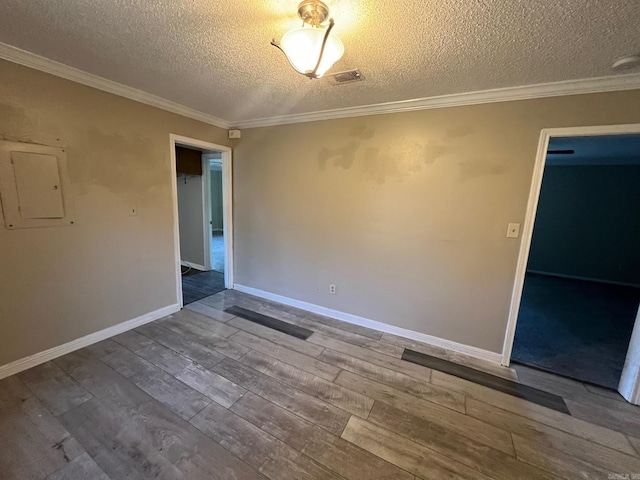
121,174
459,131
341,156
23,120
19,122
362,132
433,150
473,169
378,165
409,156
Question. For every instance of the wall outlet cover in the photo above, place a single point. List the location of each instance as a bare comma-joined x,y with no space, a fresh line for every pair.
513,230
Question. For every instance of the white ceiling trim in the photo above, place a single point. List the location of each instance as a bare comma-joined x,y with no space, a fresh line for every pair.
527,92
37,62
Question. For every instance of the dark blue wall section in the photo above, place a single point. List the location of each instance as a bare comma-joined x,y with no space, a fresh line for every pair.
588,219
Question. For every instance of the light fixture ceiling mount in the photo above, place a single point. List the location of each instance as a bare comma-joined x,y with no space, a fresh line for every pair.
626,63
313,12
311,50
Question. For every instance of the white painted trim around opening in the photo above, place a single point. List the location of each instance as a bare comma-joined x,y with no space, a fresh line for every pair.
468,350
530,216
227,207
55,352
227,216
629,386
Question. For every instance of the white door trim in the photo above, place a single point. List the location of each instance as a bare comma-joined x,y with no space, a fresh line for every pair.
227,216
227,199
530,216
629,386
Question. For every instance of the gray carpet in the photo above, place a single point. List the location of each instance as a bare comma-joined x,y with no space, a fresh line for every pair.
575,328
217,251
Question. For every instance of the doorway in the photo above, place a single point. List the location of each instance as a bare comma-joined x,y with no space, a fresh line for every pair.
577,286
216,219
203,228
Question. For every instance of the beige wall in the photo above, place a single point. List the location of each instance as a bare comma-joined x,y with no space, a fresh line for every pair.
406,213
191,214
58,284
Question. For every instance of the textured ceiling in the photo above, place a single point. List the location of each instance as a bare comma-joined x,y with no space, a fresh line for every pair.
215,57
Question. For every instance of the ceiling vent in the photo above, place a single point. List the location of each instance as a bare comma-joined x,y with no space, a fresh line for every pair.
342,78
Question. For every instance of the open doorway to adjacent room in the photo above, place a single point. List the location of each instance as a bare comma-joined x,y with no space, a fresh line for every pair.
216,218
581,287
203,211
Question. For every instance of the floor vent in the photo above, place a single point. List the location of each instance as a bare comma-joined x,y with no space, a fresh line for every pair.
342,78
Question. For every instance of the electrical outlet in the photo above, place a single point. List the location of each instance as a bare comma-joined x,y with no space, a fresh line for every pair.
513,230
332,289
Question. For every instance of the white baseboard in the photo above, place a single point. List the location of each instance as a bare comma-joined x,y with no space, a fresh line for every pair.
184,263
55,352
468,350
586,279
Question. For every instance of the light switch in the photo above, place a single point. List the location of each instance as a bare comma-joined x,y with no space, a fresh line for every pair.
513,230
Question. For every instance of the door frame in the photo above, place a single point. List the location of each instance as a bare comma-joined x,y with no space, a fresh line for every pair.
227,207
530,216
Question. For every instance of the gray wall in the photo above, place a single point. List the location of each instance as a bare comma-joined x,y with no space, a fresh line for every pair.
588,223
406,213
191,218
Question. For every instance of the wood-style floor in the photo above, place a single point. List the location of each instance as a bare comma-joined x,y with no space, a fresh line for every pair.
205,395
197,285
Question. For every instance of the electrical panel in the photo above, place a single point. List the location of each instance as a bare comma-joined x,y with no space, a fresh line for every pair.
34,186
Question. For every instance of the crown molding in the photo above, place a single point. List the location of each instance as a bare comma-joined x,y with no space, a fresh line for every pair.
28,59
527,92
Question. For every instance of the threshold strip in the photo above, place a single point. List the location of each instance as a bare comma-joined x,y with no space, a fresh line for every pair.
270,322
503,385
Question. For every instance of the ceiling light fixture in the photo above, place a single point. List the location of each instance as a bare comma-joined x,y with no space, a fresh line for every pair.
313,50
626,63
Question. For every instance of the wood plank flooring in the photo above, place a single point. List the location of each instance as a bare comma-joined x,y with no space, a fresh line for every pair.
203,394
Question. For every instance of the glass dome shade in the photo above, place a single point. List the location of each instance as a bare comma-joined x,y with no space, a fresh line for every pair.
302,46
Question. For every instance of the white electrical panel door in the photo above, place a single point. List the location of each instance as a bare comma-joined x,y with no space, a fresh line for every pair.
35,190
38,185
